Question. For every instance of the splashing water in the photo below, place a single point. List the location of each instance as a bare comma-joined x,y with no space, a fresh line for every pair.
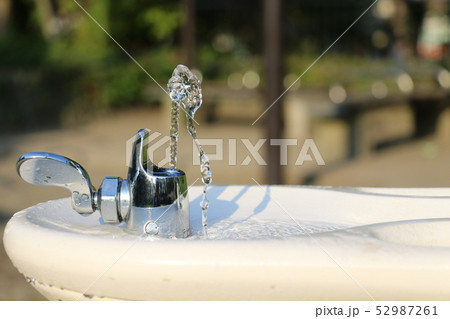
185,91
174,115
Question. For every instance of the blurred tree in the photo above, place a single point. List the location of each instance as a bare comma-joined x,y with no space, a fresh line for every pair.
161,22
42,39
46,16
188,33
142,23
5,15
71,35
21,43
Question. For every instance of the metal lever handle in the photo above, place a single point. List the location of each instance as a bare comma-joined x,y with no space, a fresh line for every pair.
48,169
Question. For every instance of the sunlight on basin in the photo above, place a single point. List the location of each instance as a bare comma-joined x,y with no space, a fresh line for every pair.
434,233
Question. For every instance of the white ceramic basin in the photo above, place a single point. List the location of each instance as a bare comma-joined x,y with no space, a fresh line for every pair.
264,243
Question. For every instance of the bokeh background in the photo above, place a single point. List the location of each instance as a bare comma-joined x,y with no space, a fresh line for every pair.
375,102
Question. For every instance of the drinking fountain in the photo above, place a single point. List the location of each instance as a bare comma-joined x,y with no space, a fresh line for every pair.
151,201
141,238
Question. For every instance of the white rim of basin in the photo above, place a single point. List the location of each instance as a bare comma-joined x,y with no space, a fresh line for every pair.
264,243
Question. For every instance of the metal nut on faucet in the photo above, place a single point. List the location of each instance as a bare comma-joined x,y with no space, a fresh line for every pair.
124,199
108,196
114,199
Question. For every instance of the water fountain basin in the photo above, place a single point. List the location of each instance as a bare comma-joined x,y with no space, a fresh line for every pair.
264,243
426,233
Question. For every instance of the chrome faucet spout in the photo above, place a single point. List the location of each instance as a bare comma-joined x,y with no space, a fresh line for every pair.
151,201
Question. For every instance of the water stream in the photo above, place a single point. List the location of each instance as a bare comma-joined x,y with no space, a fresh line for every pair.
185,91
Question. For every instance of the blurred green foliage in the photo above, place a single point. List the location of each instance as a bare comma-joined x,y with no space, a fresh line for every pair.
162,22
55,60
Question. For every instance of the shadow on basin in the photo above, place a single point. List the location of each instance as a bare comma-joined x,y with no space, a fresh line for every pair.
223,209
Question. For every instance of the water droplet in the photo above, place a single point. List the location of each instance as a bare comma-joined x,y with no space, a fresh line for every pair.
184,87
151,228
76,198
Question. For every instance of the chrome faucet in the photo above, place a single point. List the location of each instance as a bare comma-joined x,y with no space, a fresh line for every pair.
151,201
